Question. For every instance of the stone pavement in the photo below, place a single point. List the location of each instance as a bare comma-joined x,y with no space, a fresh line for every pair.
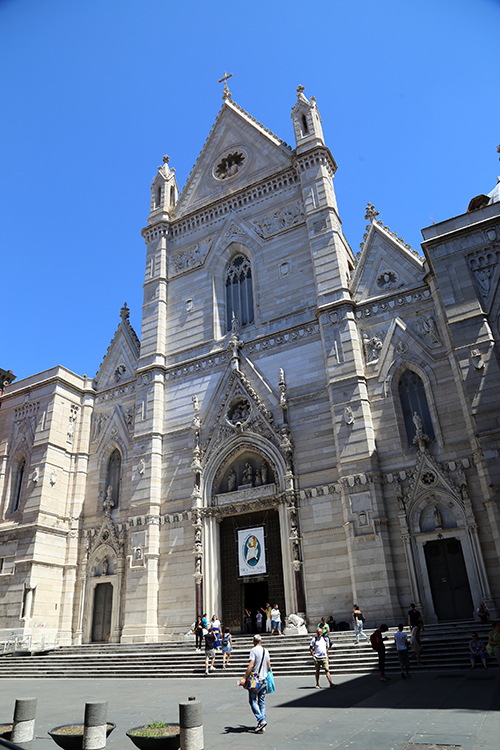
461,709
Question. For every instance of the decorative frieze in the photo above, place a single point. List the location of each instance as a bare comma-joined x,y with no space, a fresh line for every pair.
279,220
393,303
114,393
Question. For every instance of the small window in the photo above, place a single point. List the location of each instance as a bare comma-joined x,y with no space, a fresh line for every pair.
413,399
158,197
172,196
305,129
113,476
239,298
18,485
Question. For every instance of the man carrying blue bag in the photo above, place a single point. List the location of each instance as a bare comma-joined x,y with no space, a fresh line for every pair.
255,681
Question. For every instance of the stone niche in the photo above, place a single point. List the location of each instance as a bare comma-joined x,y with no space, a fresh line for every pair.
246,471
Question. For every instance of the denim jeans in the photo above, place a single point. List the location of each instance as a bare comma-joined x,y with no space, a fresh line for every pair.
358,629
257,700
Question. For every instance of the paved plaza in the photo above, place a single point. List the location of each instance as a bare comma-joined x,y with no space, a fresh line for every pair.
461,709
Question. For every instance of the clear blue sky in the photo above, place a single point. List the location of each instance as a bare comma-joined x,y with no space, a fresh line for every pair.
95,92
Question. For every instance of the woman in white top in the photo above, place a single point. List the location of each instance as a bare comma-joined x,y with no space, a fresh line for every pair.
276,620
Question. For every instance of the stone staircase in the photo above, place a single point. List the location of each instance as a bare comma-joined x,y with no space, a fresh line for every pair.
445,647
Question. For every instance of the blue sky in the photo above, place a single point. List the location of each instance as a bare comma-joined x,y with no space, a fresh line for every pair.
95,92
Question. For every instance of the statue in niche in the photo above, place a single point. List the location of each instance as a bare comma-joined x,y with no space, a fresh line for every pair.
484,280
197,566
138,554
247,474
263,472
197,536
231,481
240,412
418,426
438,519
105,566
258,478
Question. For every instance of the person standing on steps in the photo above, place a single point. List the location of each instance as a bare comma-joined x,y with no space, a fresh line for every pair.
276,620
209,650
267,611
402,646
358,619
319,652
227,647
377,641
248,621
198,632
259,665
258,621
413,617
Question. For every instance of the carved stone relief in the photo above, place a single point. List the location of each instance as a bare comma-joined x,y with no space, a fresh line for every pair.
279,220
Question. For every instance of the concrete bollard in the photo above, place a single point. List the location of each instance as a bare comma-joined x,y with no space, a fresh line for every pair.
23,725
191,725
95,725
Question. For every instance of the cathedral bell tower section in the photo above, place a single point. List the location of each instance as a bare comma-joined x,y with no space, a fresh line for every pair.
333,263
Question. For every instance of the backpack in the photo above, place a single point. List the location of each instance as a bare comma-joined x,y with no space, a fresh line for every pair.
225,639
373,641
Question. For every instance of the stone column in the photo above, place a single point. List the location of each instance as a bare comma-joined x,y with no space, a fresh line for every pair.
95,726
23,727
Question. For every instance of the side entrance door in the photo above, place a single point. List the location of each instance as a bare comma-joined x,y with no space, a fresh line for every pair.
448,579
101,619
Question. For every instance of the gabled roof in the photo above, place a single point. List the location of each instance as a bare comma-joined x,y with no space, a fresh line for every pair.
120,360
234,131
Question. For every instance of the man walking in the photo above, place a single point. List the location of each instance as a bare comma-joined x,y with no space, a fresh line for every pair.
377,641
413,617
402,646
319,652
259,665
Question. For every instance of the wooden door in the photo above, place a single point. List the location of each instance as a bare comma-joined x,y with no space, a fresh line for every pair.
103,606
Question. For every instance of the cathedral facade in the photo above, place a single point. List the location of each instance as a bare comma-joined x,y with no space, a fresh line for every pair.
297,424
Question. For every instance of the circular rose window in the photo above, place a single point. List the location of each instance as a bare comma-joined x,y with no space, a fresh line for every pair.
229,165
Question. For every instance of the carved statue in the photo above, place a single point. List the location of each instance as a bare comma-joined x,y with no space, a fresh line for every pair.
247,474
231,481
197,566
105,566
258,478
348,416
484,280
438,519
263,472
197,536
418,426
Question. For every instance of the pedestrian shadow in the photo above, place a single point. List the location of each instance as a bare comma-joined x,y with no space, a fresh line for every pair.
237,730
457,690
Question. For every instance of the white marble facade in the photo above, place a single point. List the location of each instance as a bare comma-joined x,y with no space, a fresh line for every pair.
119,484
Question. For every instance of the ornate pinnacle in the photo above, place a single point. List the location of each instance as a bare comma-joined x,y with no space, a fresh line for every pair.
300,89
166,159
371,212
124,313
226,94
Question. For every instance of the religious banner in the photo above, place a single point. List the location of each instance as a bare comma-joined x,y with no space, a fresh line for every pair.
252,551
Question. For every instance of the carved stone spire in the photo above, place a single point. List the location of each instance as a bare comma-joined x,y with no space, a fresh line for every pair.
125,313
226,94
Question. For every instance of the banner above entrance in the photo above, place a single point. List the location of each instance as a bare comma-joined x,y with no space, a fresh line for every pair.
252,551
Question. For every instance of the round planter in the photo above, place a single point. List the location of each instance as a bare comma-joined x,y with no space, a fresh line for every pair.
73,741
6,731
162,742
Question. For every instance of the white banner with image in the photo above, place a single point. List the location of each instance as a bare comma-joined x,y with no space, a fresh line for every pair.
252,551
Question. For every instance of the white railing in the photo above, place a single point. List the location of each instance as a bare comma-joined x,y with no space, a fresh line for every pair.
29,643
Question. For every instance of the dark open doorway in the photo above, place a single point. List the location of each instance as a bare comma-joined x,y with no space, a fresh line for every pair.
448,579
255,597
101,619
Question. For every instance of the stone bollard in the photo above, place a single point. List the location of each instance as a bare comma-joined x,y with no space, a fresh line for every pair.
191,725
95,725
23,725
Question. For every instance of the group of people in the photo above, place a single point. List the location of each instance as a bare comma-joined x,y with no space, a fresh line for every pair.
210,632
273,620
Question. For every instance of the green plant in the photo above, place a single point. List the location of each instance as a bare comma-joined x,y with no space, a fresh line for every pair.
156,729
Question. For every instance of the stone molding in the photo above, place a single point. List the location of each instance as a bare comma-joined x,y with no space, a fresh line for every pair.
392,303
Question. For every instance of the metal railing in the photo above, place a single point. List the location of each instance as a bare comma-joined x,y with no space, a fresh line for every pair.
29,643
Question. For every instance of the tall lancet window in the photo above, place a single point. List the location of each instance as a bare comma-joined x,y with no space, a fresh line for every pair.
113,476
239,298
413,399
17,485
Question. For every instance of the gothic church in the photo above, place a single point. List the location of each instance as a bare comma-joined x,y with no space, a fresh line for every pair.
297,423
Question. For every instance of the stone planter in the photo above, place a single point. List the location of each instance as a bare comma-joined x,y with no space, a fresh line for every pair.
6,731
73,740
156,742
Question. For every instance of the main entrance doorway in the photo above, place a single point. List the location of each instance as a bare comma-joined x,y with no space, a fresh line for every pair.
250,592
448,579
101,618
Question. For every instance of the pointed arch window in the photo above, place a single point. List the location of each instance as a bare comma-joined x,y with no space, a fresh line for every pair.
413,399
113,476
239,297
17,487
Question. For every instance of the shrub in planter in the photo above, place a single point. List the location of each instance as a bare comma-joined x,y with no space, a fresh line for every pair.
70,736
158,735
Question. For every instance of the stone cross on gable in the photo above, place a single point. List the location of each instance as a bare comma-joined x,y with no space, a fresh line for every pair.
226,94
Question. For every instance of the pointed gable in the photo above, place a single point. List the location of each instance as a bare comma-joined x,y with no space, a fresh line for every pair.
238,152
120,361
385,265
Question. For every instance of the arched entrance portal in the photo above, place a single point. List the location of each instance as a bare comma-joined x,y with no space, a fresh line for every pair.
240,592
